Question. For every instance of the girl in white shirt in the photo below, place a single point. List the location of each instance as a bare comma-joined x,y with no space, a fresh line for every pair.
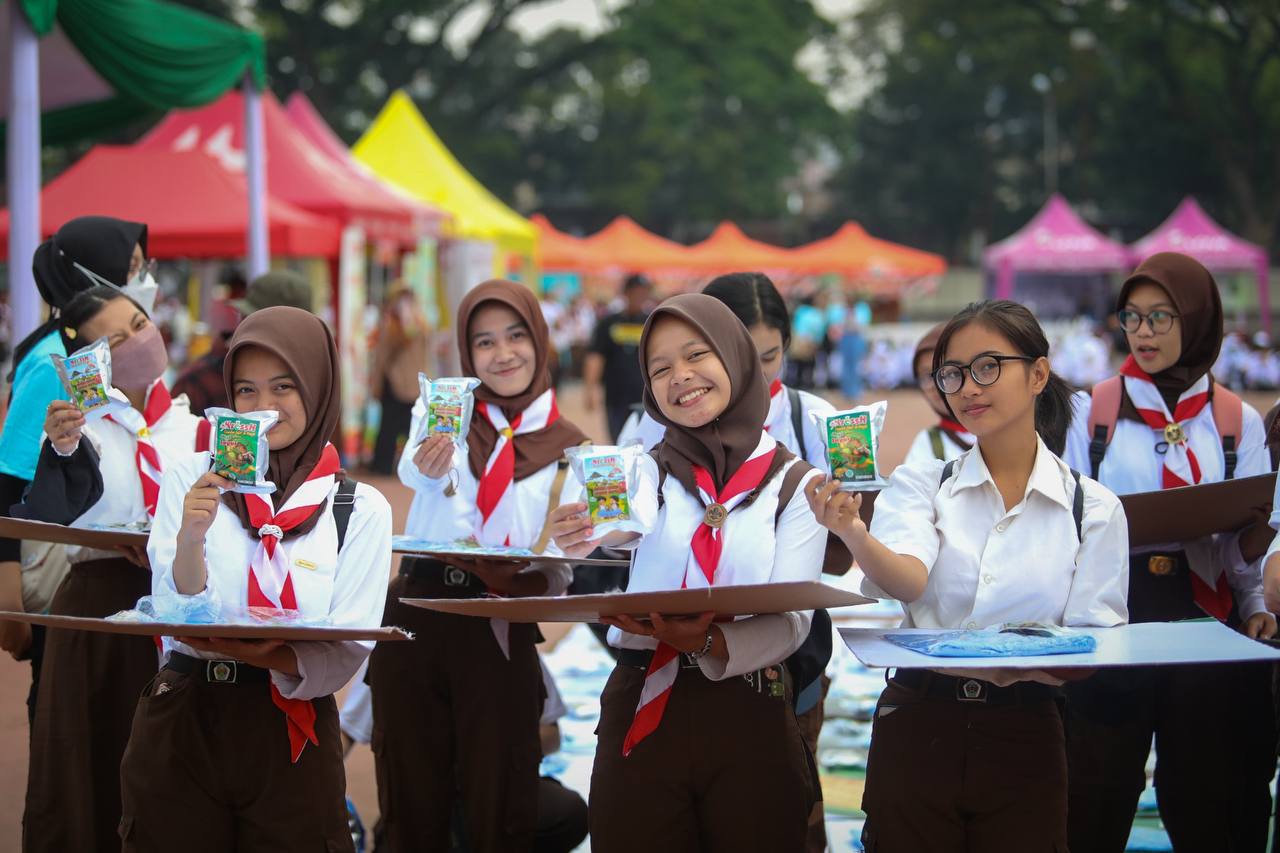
455,714
1212,779
1006,533
946,439
698,746
104,472
235,744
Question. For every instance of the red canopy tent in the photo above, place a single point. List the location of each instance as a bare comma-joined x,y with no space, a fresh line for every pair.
626,246
852,251
561,252
192,207
729,250
297,171
309,123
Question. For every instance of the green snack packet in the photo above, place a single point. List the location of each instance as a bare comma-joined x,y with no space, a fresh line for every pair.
851,441
240,450
611,488
449,404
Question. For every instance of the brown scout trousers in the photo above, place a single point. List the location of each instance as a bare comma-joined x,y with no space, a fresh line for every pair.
945,775
208,770
455,725
726,769
84,710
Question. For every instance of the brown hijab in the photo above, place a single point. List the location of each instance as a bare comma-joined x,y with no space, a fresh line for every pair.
534,450
1196,301
728,441
304,343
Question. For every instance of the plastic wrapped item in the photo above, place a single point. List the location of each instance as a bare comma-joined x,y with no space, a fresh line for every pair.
86,377
449,402
468,547
1023,639
610,479
851,441
240,449
175,609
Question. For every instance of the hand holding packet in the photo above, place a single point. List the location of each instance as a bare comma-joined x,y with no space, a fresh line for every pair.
449,403
86,377
851,442
240,451
611,489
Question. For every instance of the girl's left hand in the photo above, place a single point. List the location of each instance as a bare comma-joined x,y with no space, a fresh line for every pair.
682,633
264,654
1259,626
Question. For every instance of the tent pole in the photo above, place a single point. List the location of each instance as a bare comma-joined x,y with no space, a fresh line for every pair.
23,165
1264,292
259,260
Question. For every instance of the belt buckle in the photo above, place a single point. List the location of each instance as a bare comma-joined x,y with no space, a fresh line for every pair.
1161,565
220,671
971,690
454,576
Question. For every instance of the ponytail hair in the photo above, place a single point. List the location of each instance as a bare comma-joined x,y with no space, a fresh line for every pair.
753,298
1019,326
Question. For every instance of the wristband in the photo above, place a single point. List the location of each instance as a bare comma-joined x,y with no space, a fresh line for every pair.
704,651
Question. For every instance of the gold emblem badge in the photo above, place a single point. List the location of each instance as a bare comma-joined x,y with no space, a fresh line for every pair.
1173,434
1160,565
221,671
143,432
507,433
715,515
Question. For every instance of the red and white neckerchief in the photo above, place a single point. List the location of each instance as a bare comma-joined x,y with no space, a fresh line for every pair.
495,499
1181,467
705,549
147,456
271,585
777,407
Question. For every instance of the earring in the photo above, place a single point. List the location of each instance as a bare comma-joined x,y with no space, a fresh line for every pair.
70,333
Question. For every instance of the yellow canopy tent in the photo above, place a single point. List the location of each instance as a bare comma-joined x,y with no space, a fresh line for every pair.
401,148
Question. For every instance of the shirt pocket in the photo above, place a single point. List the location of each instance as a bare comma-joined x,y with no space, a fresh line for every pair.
313,579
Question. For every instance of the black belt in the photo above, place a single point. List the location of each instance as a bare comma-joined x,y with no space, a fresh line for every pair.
218,671
640,658
445,580
935,685
769,681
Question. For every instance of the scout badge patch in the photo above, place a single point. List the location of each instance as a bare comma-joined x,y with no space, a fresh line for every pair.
851,441
240,449
611,488
449,404
86,377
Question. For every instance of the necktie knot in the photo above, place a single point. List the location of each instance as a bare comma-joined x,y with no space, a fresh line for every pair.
507,433
270,530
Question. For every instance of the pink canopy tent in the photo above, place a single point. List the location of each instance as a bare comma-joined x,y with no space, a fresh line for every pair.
1055,240
1191,231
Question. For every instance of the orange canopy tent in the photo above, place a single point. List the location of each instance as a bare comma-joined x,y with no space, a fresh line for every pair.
624,245
728,250
561,252
853,252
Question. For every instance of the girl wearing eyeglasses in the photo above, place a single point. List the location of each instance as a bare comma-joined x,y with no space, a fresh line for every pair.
975,760
1164,423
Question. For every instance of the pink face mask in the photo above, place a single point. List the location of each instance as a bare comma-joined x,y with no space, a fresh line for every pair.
139,360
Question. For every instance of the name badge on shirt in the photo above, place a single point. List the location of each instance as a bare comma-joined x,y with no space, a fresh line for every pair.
305,564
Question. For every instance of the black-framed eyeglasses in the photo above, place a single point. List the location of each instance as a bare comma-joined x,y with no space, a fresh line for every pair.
1157,321
985,370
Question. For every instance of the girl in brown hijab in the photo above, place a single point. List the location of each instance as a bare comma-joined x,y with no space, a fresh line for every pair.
455,714
235,744
1165,422
697,727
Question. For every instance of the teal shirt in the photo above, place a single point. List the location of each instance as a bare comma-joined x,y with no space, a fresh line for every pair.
35,386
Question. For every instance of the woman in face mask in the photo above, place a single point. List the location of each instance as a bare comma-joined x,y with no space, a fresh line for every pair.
91,681
83,253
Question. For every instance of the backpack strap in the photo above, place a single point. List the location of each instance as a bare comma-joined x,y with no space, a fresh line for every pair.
204,431
935,443
553,501
790,482
1104,411
1228,418
344,503
797,421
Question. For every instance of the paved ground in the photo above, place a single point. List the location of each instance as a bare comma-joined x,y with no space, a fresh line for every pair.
907,415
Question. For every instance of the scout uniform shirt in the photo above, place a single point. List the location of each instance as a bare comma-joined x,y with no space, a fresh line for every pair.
348,589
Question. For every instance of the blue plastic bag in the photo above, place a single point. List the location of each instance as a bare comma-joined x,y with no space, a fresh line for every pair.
1004,642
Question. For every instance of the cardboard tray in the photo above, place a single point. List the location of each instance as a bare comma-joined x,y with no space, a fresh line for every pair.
40,531
747,600
1193,512
234,632
1147,644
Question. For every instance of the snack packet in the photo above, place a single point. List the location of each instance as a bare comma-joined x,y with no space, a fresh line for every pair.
240,450
449,404
851,441
86,377
610,478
